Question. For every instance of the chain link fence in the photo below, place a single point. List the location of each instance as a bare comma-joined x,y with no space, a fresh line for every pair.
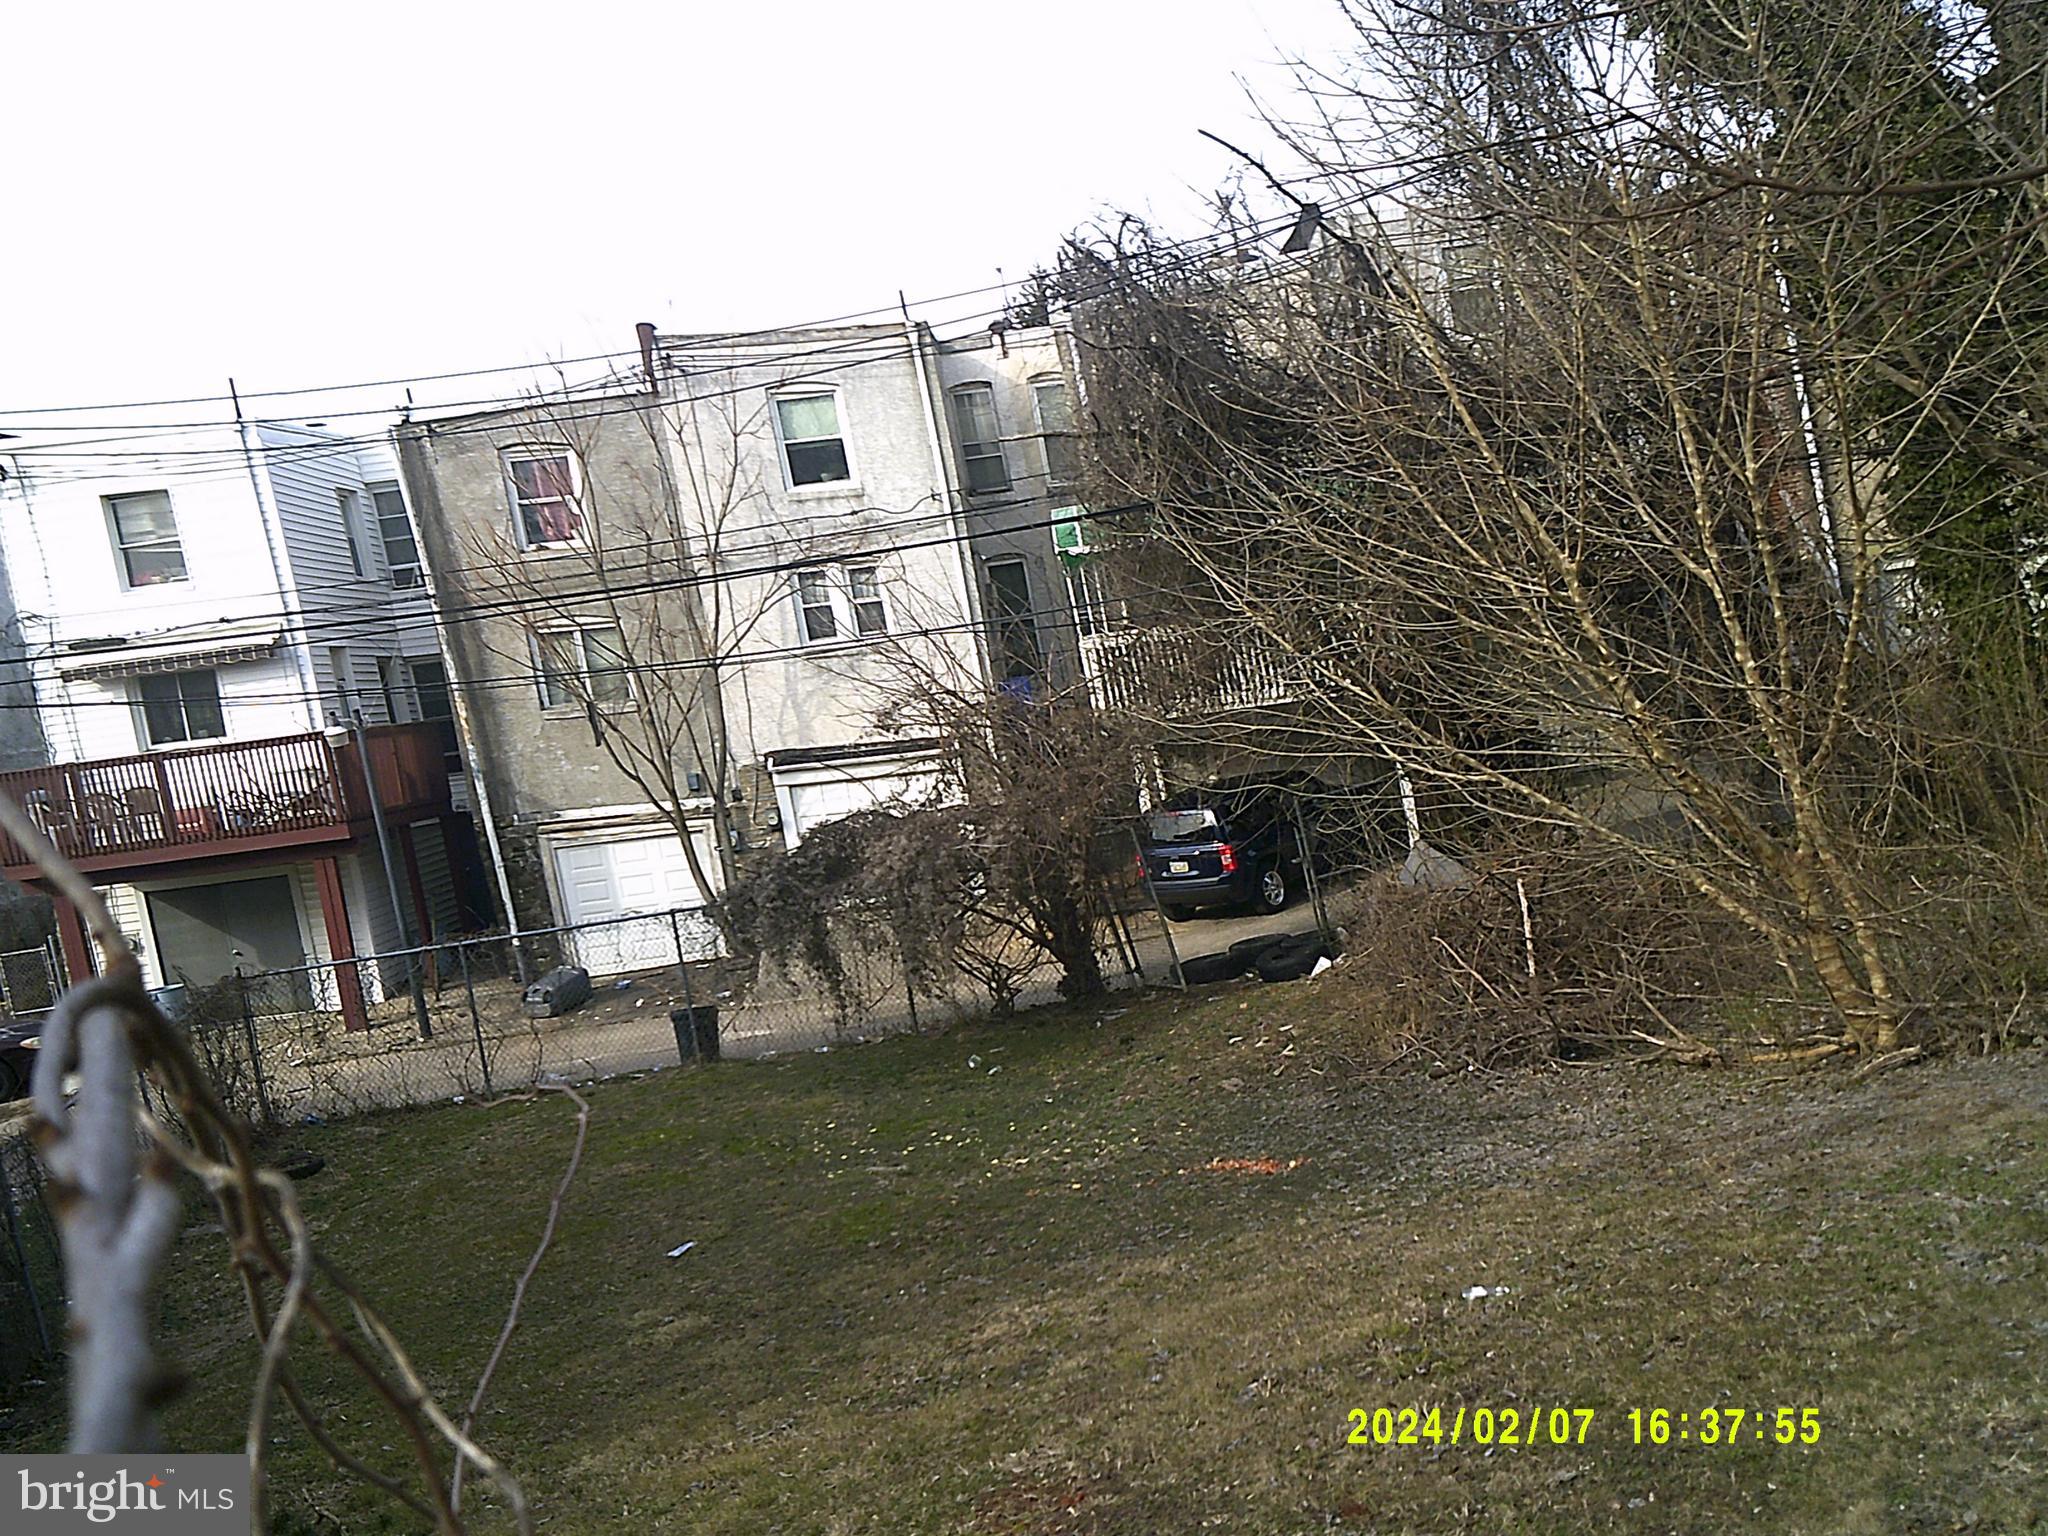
29,982
31,1280
453,1021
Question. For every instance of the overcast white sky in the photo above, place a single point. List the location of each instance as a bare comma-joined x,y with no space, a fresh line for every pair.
298,194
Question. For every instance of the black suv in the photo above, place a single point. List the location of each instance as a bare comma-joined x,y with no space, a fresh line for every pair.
1228,845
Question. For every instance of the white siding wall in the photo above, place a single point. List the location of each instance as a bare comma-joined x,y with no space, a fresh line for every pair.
131,915
97,716
246,570
436,878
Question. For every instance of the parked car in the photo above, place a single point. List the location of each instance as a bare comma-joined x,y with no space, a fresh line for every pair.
18,1041
1231,844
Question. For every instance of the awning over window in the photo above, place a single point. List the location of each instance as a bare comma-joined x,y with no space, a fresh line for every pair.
116,656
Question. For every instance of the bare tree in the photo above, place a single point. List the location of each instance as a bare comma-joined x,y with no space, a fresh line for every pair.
1588,470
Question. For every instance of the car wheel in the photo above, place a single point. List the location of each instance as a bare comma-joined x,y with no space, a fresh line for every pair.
1273,891
1178,914
10,1080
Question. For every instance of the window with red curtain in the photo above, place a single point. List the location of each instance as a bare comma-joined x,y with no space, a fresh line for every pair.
544,498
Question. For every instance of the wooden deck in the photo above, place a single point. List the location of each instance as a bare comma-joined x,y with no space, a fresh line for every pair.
226,800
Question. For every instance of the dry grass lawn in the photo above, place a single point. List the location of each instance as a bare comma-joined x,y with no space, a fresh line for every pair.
988,1283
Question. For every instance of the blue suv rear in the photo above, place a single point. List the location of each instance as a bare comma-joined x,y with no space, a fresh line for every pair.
1220,847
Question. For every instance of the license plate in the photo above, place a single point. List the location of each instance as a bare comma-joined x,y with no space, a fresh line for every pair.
1177,866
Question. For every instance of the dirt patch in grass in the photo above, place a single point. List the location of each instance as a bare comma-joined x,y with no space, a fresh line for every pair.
929,1297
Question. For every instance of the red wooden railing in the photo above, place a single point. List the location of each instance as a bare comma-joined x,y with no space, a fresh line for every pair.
203,799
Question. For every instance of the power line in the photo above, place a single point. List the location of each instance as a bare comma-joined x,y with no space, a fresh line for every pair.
469,373
821,651
295,619
229,458
1192,249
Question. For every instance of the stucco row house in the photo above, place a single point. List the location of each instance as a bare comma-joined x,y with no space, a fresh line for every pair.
685,602
539,644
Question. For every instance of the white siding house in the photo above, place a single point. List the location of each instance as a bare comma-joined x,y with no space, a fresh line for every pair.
204,619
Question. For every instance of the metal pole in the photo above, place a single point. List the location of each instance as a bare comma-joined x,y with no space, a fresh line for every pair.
1308,872
255,1052
675,927
483,1052
412,969
1120,933
1165,928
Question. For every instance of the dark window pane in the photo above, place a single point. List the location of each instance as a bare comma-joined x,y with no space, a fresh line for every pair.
153,567
820,624
204,720
988,473
817,463
163,713
430,683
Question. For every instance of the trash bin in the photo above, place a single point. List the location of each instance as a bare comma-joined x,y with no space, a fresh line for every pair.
558,991
696,1031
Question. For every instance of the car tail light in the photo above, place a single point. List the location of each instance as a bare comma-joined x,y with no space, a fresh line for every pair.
1228,855
1141,862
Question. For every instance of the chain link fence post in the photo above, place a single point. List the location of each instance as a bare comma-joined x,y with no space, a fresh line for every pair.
1165,926
249,1037
20,1251
476,1023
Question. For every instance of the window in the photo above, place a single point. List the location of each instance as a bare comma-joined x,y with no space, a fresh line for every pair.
981,442
1013,632
179,707
579,666
341,667
814,598
1087,594
812,445
146,539
864,595
840,602
432,703
394,530
546,490
350,507
1055,409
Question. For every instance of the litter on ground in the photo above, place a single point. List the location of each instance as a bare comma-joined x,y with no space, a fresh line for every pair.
1247,1165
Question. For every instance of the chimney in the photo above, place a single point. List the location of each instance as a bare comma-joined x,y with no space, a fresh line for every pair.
645,329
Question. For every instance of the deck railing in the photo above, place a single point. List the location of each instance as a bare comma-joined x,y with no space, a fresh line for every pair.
1177,673
204,798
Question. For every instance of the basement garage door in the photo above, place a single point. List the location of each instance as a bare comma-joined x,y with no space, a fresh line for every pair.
816,795
621,885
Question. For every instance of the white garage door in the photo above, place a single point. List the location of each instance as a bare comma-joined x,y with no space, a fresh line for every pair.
604,882
812,805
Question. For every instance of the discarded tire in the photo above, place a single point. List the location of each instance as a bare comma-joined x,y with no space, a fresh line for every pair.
1245,953
1292,958
1201,970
